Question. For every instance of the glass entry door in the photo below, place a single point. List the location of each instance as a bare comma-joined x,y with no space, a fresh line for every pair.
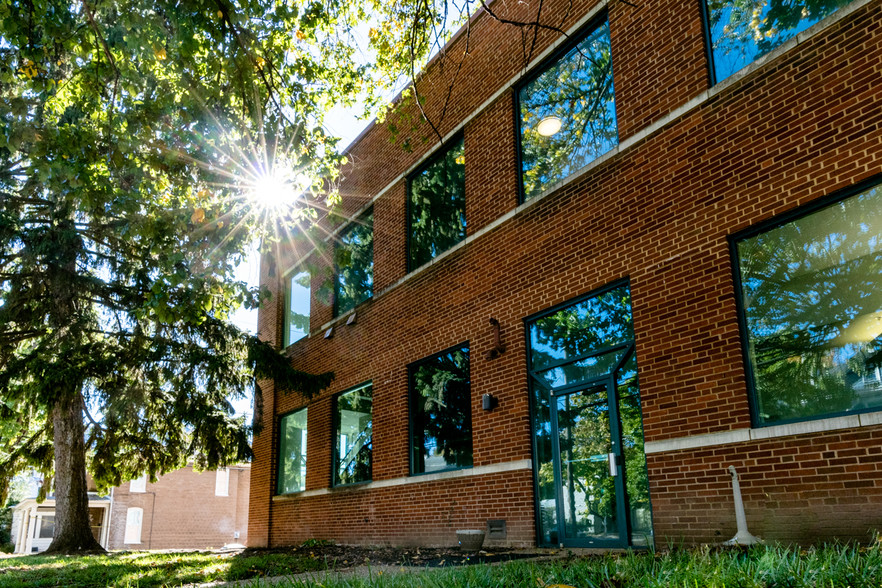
587,467
591,482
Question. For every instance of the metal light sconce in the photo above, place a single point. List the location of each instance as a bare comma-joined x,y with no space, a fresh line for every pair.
498,347
489,402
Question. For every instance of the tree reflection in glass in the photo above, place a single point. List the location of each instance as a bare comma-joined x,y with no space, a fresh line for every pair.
354,451
441,412
436,206
742,31
292,453
576,94
354,261
812,298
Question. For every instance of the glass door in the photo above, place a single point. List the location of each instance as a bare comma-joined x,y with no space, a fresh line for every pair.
591,483
586,462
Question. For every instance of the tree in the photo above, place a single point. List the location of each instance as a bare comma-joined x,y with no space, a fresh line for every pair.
128,133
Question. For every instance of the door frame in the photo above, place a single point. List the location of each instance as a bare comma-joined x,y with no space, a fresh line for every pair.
608,381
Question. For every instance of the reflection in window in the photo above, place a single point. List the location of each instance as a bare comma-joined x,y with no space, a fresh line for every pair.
47,527
568,114
354,262
441,413
436,206
297,294
742,31
812,300
636,477
354,432
586,328
292,453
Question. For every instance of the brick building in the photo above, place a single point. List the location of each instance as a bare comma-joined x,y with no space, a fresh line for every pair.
648,253
181,510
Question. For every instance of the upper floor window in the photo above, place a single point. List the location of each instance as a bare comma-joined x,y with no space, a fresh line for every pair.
811,302
441,412
354,264
353,453
297,299
222,482
436,213
568,113
292,452
741,32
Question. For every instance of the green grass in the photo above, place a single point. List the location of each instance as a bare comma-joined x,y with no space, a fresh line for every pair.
147,570
760,567
836,566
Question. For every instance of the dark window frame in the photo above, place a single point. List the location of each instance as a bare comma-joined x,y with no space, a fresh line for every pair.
411,369
278,450
763,226
439,154
336,433
602,17
351,225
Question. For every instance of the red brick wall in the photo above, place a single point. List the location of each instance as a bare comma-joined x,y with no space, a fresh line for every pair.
801,127
802,487
181,511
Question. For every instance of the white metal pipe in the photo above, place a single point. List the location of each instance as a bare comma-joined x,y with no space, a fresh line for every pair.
742,536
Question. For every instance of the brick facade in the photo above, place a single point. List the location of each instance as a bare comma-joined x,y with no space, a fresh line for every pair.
181,511
657,210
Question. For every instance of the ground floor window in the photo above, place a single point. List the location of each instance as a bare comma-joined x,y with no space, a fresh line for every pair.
292,452
353,455
811,309
440,412
591,478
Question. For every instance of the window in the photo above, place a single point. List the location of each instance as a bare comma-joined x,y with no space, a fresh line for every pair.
811,310
222,482
134,518
436,206
354,261
568,113
742,32
353,453
47,527
441,412
292,453
297,297
138,484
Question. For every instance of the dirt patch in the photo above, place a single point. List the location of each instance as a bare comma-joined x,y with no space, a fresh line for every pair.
347,556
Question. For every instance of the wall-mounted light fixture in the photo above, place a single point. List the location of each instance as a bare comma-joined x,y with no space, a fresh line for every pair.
489,402
498,347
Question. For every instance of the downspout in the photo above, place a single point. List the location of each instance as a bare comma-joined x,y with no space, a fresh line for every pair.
106,532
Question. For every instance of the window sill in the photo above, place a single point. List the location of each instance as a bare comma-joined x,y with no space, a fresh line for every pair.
496,468
854,421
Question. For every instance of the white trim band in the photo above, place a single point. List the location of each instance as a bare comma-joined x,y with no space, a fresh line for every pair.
853,421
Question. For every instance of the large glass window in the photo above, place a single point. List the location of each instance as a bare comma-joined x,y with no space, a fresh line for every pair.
811,296
436,206
568,113
292,453
354,261
742,31
297,299
441,412
353,457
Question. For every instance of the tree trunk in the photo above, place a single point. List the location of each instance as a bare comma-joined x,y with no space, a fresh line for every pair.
73,533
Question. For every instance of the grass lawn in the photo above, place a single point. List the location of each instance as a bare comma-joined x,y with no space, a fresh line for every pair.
760,567
145,569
